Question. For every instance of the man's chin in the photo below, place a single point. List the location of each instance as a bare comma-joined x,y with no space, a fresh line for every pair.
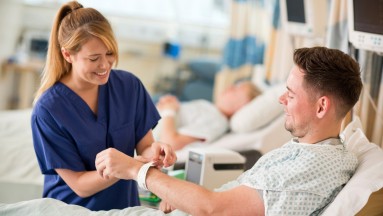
289,128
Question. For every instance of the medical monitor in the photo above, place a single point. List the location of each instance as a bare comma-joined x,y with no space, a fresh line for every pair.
306,18
365,22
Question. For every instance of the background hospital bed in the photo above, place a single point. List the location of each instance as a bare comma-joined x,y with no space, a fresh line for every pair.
250,144
255,129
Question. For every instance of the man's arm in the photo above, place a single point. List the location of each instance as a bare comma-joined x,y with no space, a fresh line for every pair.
196,200
180,194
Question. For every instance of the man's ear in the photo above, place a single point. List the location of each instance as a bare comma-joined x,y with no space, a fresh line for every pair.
66,55
323,106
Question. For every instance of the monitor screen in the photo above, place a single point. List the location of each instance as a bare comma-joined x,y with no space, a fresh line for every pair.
368,16
305,18
295,11
365,20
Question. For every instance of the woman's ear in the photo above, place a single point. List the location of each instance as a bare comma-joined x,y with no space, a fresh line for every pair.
66,55
323,104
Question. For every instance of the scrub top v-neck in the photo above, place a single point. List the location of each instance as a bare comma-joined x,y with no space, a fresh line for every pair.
68,135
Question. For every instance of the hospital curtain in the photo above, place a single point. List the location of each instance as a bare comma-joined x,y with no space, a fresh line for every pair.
370,106
279,52
248,36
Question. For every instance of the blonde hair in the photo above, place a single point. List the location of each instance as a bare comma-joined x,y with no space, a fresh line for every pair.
73,26
252,90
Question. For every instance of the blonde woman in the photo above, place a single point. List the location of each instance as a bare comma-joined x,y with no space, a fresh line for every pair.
83,107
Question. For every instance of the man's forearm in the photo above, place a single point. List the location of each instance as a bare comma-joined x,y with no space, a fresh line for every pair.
182,195
196,200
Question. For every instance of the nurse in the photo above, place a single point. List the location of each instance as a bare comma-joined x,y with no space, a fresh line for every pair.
83,107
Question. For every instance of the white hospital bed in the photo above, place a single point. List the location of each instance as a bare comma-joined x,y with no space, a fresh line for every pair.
362,195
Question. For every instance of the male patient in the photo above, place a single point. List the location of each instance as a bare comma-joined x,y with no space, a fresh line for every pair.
200,120
301,177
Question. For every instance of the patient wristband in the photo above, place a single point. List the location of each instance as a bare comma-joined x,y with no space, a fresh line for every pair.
141,176
167,113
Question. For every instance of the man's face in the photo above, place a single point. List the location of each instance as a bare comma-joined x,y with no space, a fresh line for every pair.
299,107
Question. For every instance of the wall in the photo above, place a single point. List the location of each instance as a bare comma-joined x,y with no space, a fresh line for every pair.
140,41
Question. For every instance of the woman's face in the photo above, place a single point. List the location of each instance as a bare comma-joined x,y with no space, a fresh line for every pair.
92,64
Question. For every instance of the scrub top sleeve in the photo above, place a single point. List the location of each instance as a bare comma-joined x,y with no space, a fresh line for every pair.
147,115
54,149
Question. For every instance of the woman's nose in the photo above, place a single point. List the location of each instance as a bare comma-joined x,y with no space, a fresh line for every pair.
104,63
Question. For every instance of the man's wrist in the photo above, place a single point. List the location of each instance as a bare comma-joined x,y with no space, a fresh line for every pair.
141,175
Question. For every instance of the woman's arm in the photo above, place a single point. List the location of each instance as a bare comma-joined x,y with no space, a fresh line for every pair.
85,183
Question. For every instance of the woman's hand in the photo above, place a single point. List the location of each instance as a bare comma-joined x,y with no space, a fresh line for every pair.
113,163
161,154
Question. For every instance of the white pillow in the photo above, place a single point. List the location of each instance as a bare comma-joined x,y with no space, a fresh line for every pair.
259,112
368,177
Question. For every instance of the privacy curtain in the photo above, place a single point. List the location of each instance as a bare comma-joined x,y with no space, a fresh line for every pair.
370,105
251,22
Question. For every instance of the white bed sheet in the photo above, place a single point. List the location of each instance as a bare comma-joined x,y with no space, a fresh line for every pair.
263,140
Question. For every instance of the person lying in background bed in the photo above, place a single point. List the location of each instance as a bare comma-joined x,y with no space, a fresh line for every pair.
200,120
83,107
300,178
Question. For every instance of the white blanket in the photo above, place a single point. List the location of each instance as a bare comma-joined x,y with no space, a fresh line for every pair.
52,207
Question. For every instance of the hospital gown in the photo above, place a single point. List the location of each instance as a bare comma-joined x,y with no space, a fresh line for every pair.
300,178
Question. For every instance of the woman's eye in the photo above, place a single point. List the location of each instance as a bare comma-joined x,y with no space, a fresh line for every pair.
94,59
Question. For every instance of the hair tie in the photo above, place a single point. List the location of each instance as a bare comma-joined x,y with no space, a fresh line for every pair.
73,9
78,7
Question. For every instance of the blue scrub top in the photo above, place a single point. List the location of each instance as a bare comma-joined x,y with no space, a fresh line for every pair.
68,135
